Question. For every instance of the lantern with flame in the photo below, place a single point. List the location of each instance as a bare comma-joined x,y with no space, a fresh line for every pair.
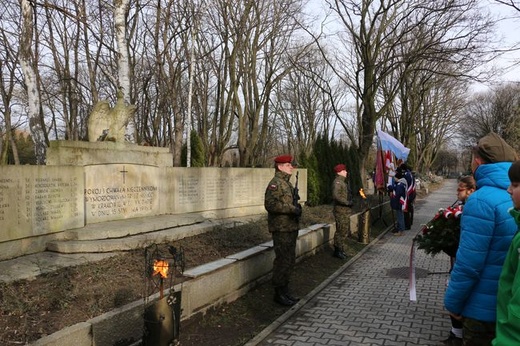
160,268
162,315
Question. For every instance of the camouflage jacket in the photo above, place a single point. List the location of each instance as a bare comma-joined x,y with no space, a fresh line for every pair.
340,196
282,215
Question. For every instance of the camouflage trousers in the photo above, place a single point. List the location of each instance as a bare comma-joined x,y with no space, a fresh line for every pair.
284,245
477,333
342,229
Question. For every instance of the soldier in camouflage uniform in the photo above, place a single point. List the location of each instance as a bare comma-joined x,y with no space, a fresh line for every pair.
342,204
283,222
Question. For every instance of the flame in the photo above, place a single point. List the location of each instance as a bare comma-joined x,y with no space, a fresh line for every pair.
362,193
160,267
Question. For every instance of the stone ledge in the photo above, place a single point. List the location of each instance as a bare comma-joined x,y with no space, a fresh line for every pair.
140,232
78,334
128,227
243,255
207,268
128,243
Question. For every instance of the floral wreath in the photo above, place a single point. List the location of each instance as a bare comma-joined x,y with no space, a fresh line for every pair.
442,232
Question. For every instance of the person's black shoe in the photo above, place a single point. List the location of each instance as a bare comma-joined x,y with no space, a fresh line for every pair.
452,340
339,253
281,298
289,295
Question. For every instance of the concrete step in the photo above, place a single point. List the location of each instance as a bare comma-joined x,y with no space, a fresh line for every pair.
133,226
125,235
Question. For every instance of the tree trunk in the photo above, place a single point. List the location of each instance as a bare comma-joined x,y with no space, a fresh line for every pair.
123,61
10,137
33,94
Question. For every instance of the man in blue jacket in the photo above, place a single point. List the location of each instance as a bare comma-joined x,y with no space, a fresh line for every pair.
486,232
398,200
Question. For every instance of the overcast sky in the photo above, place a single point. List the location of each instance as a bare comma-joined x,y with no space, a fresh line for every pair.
507,36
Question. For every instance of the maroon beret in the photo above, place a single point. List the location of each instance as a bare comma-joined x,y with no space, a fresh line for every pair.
340,167
283,159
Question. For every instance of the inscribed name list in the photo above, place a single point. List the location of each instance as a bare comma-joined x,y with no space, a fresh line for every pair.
117,191
36,200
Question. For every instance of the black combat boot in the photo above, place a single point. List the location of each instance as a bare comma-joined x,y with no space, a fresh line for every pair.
289,295
281,298
338,252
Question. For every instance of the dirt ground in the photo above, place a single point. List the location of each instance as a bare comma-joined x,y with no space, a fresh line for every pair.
33,309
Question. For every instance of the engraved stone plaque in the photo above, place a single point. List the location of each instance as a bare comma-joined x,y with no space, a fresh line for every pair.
211,188
36,200
119,191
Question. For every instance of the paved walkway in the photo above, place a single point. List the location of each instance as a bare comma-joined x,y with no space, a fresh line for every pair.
367,301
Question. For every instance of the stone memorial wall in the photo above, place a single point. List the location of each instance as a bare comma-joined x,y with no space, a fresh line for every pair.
197,190
39,203
37,200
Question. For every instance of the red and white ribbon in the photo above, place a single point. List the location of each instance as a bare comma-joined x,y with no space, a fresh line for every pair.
411,284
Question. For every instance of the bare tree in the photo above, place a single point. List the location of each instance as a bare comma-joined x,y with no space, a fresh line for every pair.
439,116
161,63
511,3
9,79
496,110
244,51
385,41
7,76
429,99
302,104
61,93
28,62
215,95
260,33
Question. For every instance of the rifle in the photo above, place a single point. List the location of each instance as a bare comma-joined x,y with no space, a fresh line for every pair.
350,198
296,194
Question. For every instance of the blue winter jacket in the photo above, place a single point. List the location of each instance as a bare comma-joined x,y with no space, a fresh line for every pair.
486,233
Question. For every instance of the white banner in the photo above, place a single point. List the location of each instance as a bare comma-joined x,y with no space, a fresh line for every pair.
390,143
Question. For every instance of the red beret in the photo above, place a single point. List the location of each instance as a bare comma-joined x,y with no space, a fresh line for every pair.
340,167
283,159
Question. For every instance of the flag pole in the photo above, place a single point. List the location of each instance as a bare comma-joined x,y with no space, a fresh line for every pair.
380,178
